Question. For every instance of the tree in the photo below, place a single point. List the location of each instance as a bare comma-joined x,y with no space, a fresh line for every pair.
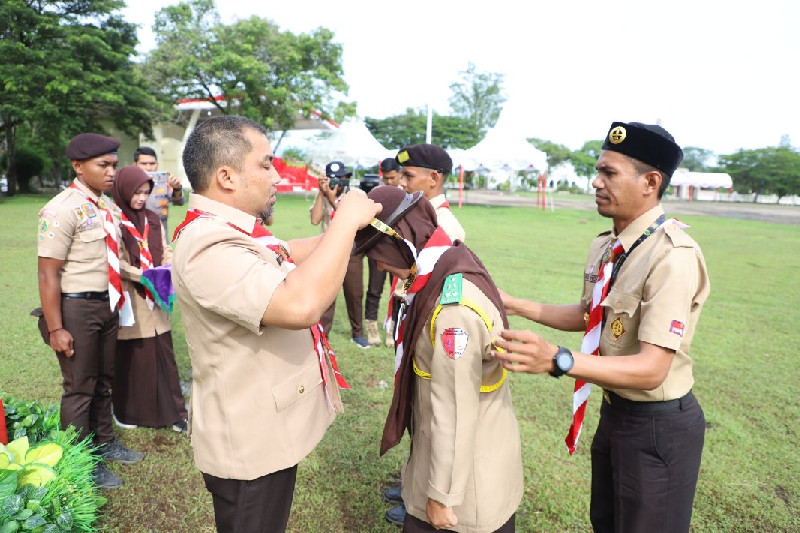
409,128
65,68
478,98
556,153
773,170
250,67
697,159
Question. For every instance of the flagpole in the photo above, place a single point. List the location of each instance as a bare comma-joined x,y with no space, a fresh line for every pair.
429,129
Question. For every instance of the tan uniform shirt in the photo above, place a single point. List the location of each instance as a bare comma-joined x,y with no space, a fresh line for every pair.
71,229
149,322
465,450
257,403
447,220
656,298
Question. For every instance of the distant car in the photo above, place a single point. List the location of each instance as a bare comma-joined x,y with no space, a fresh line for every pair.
369,182
4,185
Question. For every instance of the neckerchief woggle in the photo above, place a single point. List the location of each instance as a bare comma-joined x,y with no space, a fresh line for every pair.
321,345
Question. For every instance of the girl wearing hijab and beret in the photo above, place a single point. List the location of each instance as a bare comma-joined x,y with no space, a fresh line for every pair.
147,390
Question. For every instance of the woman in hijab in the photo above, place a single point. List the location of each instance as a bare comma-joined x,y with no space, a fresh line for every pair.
147,390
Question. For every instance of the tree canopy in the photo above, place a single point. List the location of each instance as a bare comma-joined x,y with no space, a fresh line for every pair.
478,98
410,128
258,70
772,170
65,69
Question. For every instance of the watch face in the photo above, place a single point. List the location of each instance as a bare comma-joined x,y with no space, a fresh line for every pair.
564,361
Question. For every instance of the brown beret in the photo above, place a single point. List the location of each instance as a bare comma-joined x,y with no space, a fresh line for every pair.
89,145
648,143
395,203
427,156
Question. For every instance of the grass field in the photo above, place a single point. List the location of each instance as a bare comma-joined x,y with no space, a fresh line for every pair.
746,371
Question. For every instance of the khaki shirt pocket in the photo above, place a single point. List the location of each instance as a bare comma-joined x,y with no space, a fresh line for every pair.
621,322
89,244
297,387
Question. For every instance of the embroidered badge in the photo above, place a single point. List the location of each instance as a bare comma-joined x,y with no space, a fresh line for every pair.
43,226
79,213
617,329
677,328
454,342
589,277
89,210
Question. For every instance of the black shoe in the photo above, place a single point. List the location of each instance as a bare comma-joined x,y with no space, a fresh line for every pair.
397,515
181,426
394,494
116,451
105,478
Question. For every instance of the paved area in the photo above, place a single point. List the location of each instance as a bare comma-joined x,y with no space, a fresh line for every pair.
782,214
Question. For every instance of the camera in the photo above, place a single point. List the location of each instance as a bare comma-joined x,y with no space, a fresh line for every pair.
343,182
369,182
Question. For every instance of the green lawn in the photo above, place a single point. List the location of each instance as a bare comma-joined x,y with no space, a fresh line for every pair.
746,371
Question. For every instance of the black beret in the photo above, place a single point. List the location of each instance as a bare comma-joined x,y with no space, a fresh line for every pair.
336,169
389,164
395,203
648,143
89,145
427,156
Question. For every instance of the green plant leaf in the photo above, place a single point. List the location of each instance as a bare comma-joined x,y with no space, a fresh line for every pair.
36,474
48,453
18,447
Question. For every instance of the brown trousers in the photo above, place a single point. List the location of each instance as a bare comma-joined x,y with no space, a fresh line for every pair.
260,505
412,524
353,288
88,375
375,283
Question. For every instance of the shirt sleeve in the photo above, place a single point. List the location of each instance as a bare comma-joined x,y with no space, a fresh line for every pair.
56,231
460,341
232,279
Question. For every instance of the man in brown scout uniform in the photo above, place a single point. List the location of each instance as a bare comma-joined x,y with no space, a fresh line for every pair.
265,385
465,469
80,292
645,283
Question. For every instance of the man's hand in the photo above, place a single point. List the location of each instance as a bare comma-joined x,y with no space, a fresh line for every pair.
357,209
61,341
441,517
525,351
174,181
508,301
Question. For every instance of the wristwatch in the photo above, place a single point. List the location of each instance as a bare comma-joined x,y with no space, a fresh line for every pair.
562,361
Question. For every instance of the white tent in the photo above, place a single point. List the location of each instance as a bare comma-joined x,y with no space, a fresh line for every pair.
352,144
709,180
501,149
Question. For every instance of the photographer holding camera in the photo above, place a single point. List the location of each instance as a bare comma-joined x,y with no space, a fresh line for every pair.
335,183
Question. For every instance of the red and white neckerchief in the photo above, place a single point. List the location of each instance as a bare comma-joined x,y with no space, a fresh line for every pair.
426,260
115,296
145,257
591,338
268,240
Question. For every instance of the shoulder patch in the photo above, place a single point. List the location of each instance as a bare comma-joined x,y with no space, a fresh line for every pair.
451,291
678,237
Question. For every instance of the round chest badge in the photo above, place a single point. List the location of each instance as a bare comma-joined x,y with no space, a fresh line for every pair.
617,135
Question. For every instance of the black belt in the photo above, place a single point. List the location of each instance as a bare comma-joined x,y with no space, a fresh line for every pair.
86,295
615,400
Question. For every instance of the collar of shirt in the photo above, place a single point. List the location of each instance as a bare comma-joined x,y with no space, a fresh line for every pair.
438,200
231,214
88,192
635,229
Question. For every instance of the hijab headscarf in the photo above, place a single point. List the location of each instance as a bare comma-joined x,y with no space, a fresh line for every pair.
129,179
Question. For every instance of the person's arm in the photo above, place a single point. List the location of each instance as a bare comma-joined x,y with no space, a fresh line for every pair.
309,289
317,211
50,297
126,270
174,182
528,352
563,317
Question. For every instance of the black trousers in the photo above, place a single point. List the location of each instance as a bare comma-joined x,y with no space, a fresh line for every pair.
645,468
412,524
260,505
89,374
353,287
375,283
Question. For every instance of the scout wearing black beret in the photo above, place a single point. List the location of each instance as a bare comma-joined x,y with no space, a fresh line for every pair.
426,156
88,145
648,143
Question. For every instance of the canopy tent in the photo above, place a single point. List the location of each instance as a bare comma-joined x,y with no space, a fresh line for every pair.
706,180
501,149
352,144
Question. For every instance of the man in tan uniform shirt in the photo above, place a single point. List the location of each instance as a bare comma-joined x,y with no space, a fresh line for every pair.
465,469
73,286
264,387
647,280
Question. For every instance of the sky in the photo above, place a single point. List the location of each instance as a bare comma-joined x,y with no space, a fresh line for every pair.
718,75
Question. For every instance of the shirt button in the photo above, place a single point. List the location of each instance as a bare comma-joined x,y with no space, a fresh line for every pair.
301,389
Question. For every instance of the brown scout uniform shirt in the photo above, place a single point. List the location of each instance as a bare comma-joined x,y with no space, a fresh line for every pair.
71,229
257,402
465,450
149,322
656,298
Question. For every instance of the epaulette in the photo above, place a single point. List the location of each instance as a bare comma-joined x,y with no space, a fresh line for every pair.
451,291
678,237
